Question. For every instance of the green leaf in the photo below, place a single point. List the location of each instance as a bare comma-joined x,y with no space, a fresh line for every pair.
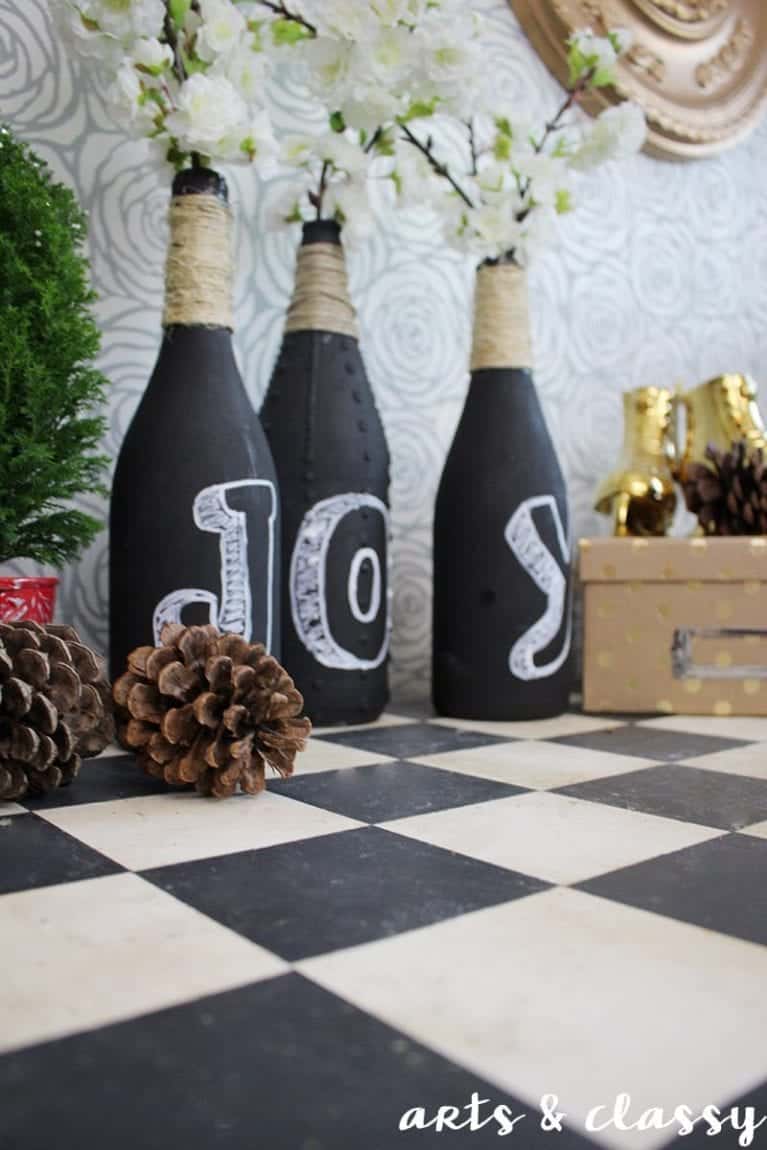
179,10
176,157
615,40
152,95
602,78
287,32
192,64
563,202
502,148
337,122
384,145
256,28
577,64
420,110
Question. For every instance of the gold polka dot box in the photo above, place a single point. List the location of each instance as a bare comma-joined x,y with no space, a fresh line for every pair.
676,626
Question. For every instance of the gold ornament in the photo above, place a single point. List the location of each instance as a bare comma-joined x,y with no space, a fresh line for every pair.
719,413
640,493
698,68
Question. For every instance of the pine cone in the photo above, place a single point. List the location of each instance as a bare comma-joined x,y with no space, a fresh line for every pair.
729,494
210,709
55,707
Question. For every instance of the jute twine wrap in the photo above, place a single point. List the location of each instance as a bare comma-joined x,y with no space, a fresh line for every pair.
198,272
501,319
321,297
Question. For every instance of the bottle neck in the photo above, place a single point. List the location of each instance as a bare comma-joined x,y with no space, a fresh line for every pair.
501,319
199,272
321,299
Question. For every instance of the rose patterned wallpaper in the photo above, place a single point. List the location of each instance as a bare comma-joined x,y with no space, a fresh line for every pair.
661,277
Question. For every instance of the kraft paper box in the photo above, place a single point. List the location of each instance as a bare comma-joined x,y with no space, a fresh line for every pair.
675,625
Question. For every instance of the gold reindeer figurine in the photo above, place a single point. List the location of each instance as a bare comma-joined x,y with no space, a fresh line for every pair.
719,412
640,493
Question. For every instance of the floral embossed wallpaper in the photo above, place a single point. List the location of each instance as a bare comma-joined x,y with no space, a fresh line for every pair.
661,277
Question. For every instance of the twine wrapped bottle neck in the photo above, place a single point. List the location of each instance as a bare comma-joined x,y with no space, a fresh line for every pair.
321,296
199,269
501,319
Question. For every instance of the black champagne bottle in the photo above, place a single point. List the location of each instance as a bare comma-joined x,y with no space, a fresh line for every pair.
332,463
502,564
194,516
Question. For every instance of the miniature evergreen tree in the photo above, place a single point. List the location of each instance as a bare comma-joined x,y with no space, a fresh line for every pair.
50,393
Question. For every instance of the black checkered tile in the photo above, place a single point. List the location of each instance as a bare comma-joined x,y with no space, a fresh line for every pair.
35,854
409,740
375,935
380,792
649,743
712,884
322,894
687,793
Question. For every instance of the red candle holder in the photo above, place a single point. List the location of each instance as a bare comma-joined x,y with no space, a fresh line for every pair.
27,597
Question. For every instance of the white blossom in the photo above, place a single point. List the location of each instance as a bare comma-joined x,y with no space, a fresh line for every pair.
247,71
490,230
342,153
210,116
124,19
540,231
351,20
599,51
152,55
366,111
414,178
450,61
297,150
547,177
349,202
84,38
222,28
128,100
619,132
289,207
329,68
389,57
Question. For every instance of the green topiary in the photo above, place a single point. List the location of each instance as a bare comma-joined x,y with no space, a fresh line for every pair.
49,391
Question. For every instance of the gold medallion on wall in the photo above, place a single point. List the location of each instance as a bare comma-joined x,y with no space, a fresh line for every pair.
697,67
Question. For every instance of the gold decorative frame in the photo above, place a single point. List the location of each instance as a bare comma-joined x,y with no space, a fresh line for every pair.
697,67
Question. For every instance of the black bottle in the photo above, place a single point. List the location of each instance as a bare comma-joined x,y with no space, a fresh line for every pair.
332,463
194,517
502,576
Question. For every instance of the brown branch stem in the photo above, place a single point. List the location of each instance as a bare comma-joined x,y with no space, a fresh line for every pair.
172,38
281,9
573,96
316,198
436,165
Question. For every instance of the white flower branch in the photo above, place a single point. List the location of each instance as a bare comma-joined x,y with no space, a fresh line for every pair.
438,167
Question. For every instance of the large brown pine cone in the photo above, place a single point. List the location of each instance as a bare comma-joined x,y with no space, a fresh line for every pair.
55,707
210,709
729,493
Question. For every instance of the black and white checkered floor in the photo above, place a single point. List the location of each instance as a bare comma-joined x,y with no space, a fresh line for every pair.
429,909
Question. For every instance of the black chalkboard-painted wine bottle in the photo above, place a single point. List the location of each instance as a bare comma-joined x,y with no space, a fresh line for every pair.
194,518
332,463
502,575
